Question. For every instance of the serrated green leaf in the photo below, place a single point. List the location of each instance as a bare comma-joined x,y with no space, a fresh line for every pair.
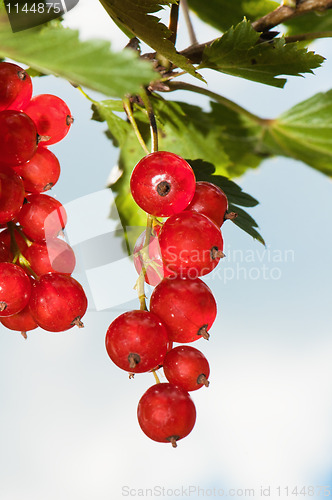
305,133
222,14
135,15
238,53
53,49
205,171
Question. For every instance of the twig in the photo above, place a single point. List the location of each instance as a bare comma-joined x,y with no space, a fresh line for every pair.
284,12
308,36
190,28
173,22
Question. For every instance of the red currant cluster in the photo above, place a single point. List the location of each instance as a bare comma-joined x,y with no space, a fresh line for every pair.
171,255
36,287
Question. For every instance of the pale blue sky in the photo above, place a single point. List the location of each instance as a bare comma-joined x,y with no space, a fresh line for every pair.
68,415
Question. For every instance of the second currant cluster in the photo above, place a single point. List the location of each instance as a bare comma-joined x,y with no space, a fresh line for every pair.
171,256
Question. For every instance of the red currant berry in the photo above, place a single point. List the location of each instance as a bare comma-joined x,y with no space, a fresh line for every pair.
15,289
58,302
191,244
209,200
18,137
55,256
15,87
42,217
155,269
41,172
12,197
21,322
166,413
186,306
51,116
136,341
186,367
162,184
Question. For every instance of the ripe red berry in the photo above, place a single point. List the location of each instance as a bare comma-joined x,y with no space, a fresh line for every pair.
57,302
55,256
21,322
15,87
186,367
136,341
11,197
155,270
18,137
15,289
42,217
209,200
51,116
41,172
186,306
191,244
162,184
166,413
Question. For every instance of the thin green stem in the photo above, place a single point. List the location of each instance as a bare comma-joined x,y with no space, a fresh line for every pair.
139,286
218,98
85,94
152,120
17,254
156,376
129,112
308,36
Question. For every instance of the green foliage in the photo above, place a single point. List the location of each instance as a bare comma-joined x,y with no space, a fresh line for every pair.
305,133
135,16
238,53
237,198
118,129
310,23
55,50
221,14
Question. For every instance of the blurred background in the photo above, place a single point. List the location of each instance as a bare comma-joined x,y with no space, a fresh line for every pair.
68,426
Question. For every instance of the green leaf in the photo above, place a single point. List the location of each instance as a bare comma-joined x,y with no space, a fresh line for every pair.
305,133
118,127
222,14
238,53
53,49
135,15
205,171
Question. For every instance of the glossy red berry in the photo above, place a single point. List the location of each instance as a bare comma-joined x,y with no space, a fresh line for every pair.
162,184
166,413
57,302
21,322
42,217
15,289
155,269
186,306
209,200
51,116
15,87
41,173
136,341
55,256
18,137
11,197
186,367
191,244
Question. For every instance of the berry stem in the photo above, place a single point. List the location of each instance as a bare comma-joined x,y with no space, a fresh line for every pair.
156,376
152,120
17,254
139,286
129,112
